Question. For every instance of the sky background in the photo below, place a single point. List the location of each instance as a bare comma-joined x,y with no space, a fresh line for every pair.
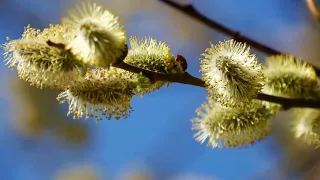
157,136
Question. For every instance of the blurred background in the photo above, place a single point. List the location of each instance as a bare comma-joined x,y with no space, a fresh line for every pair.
40,142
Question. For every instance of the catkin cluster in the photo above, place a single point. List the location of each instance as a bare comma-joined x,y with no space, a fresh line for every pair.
77,58
84,57
233,76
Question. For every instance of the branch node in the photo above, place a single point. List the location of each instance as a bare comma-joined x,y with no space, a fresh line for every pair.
123,56
152,77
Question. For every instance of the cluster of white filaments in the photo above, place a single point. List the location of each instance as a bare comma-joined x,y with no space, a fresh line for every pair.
151,55
226,127
290,77
58,33
306,125
108,92
39,63
233,76
100,38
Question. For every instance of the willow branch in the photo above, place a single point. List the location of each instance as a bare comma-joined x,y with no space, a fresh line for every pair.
192,12
313,9
187,78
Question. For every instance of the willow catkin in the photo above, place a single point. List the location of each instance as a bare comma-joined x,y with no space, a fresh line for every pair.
100,38
232,75
226,127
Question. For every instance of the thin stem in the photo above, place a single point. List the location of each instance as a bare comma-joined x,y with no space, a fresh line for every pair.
313,9
184,78
187,78
192,12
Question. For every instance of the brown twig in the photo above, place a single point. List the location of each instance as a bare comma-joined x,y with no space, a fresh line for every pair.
313,9
186,78
56,45
192,12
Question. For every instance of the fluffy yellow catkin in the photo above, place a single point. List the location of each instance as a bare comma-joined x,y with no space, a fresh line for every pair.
39,63
226,127
290,77
306,125
152,55
101,93
100,38
232,75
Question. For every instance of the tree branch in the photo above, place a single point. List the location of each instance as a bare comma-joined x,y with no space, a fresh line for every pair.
192,12
186,78
313,9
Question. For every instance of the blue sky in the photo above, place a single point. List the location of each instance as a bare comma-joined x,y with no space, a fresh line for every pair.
158,133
